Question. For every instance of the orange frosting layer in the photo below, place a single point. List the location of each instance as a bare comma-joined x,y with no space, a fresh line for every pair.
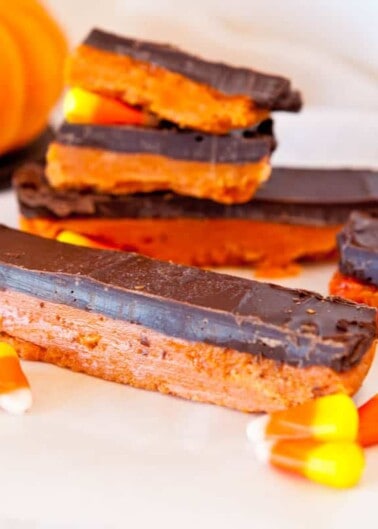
96,345
166,94
198,242
111,172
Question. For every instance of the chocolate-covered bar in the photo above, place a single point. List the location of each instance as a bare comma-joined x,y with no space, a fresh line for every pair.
124,159
178,86
296,214
33,152
179,330
358,247
357,278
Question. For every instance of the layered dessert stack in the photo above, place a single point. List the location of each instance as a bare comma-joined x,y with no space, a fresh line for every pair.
182,114
147,126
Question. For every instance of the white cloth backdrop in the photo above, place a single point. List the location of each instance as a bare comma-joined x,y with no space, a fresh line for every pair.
328,47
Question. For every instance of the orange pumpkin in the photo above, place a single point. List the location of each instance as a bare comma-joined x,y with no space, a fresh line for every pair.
33,51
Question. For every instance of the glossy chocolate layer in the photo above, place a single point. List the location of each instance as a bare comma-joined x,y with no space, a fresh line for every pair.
292,326
294,196
358,247
236,147
33,152
267,91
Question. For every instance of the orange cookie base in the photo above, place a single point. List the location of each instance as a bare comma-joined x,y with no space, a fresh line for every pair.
211,242
350,288
164,93
111,172
96,345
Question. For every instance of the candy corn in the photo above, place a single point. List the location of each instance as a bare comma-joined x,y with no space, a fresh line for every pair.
15,394
70,237
368,432
81,106
338,464
317,440
330,418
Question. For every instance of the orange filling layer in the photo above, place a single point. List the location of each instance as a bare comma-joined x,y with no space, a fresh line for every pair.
96,345
167,94
350,288
110,172
201,242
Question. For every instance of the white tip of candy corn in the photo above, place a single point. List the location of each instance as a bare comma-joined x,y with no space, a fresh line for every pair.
16,402
262,451
256,429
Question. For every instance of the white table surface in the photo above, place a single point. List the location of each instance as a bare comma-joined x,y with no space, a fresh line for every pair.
96,454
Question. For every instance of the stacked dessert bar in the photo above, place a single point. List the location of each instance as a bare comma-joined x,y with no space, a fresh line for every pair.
162,139
187,129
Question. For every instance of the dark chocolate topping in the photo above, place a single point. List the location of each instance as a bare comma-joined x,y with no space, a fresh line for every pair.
267,91
236,147
358,247
321,186
292,326
294,196
33,152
